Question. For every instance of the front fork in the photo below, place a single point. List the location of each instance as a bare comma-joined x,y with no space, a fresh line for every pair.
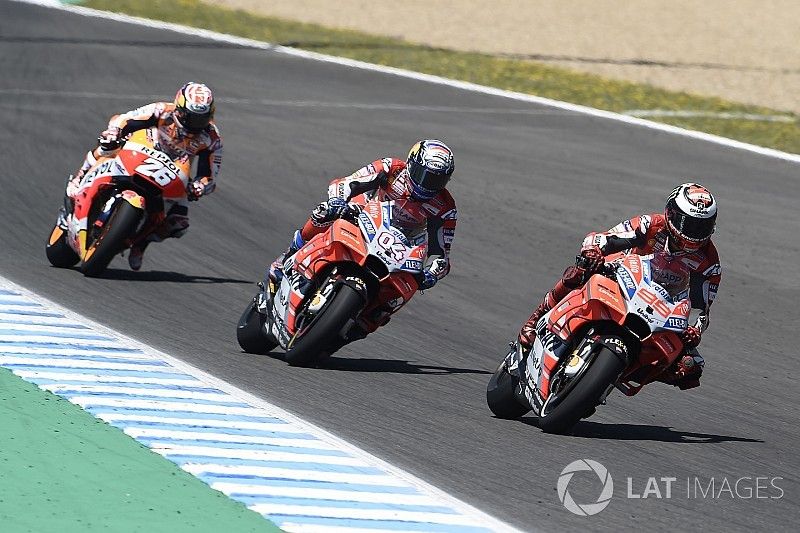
570,364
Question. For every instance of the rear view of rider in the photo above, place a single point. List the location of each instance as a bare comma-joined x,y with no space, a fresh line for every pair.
182,129
684,259
422,203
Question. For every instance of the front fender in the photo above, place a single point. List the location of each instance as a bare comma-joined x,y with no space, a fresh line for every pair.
357,283
133,198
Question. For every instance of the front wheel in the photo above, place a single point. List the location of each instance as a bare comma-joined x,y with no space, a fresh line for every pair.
326,327
583,395
120,226
250,332
59,253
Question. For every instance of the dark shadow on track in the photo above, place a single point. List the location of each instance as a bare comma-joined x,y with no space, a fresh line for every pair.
642,432
393,366
162,275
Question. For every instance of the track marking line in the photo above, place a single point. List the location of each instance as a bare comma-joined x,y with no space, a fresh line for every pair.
297,475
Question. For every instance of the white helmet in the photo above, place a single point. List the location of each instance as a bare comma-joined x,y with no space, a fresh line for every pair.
691,214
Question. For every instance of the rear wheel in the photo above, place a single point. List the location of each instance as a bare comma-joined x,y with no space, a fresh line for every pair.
566,407
58,251
121,225
500,395
326,327
250,332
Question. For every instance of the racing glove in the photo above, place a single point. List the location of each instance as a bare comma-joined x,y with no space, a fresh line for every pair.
590,260
339,208
691,337
109,140
195,190
431,273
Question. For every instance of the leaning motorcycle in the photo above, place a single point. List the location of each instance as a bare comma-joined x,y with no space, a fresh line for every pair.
620,330
118,202
343,284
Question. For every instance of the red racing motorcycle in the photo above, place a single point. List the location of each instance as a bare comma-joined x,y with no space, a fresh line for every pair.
620,330
343,284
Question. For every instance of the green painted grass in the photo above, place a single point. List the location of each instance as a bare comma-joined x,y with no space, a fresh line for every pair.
511,74
64,471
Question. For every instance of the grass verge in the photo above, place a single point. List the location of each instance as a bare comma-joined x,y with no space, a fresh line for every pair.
64,470
511,74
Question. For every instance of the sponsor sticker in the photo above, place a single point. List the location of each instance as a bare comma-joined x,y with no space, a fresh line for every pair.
412,264
676,322
627,280
367,224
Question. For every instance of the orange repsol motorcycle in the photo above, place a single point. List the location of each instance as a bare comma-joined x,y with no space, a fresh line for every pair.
119,202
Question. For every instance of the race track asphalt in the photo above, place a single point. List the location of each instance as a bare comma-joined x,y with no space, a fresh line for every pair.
530,182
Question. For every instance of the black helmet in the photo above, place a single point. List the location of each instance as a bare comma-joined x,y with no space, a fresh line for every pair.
430,164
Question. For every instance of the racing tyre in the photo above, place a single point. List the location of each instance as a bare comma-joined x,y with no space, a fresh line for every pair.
500,395
326,327
581,395
250,332
58,251
120,226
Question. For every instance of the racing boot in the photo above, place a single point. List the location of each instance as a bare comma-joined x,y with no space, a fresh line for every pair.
136,255
527,334
275,272
685,372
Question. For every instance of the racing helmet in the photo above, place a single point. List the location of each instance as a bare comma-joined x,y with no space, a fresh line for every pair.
691,215
194,107
430,164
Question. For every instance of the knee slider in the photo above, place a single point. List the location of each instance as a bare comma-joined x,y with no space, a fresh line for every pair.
176,226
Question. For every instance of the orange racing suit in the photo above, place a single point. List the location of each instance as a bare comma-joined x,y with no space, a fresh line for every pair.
157,119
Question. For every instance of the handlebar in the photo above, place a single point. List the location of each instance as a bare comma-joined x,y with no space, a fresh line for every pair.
608,269
352,213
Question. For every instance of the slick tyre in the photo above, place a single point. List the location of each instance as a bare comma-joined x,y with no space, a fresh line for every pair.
120,226
582,396
250,332
500,395
324,331
58,251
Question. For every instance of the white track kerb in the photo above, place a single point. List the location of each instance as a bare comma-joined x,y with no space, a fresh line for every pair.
251,43
299,476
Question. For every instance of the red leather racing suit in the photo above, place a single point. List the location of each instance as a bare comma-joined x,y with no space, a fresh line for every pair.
387,179
696,274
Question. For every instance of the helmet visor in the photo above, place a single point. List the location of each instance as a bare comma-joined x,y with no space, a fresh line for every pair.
427,180
692,228
194,122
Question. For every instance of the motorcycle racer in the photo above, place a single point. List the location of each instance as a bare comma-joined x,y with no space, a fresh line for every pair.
418,187
183,129
685,263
